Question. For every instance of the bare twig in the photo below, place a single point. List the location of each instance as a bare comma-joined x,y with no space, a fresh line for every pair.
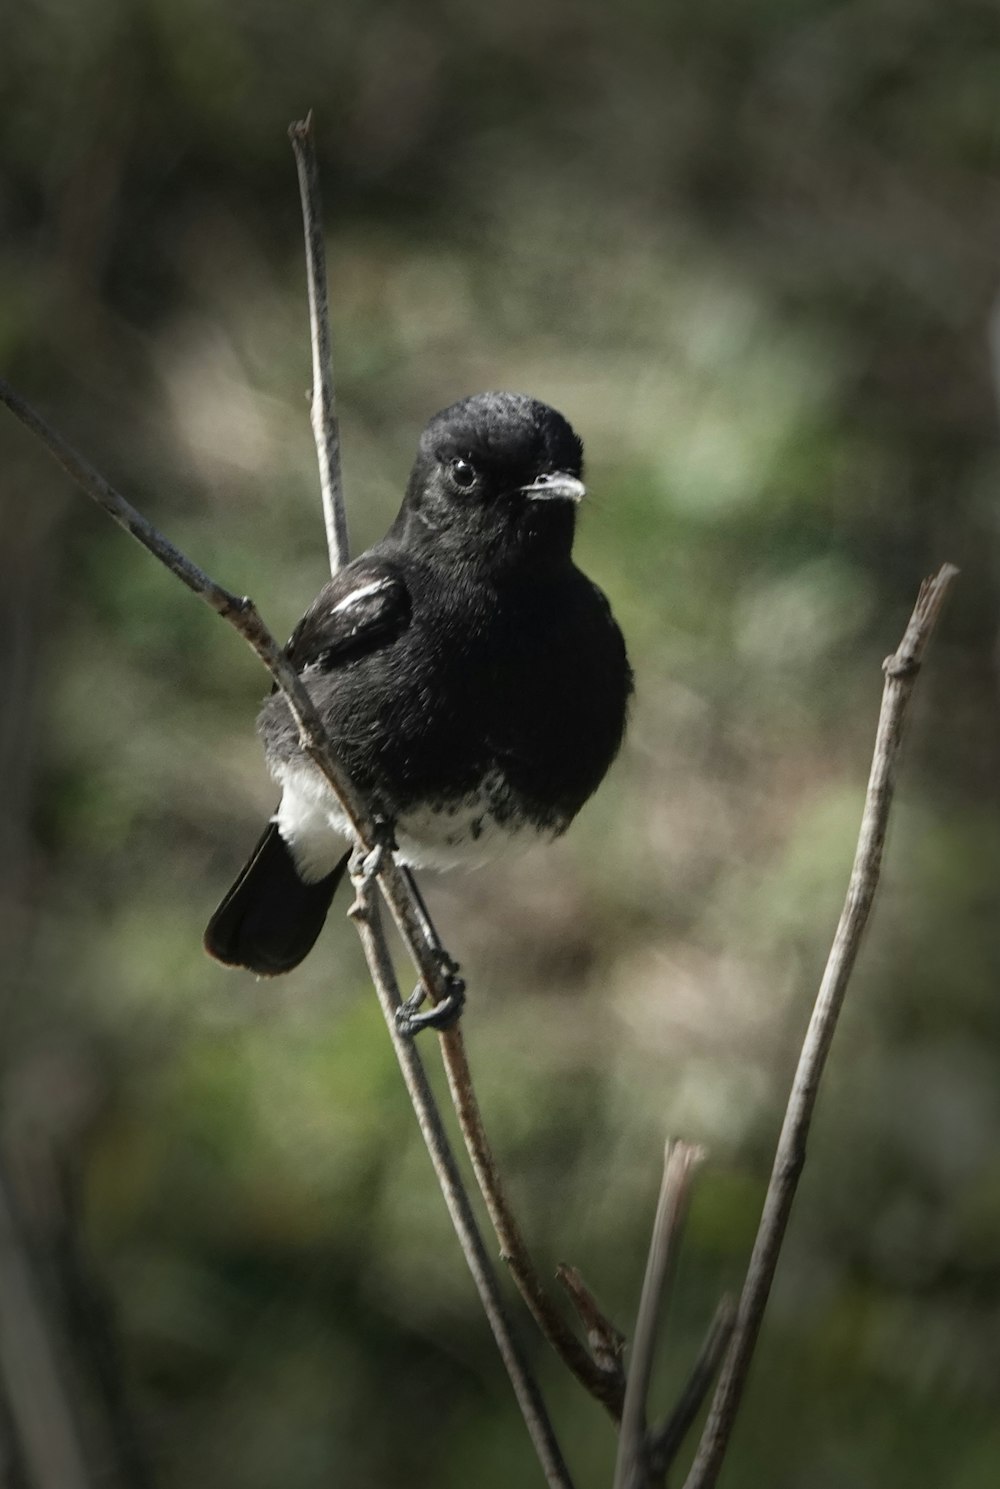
242,614
600,1370
101,491
680,1160
606,1383
606,1341
40,1409
324,406
900,675
366,916
665,1443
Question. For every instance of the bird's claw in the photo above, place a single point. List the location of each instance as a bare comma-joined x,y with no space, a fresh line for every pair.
411,1017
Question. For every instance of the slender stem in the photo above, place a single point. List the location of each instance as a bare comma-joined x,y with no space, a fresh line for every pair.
326,431
104,494
598,1370
679,1163
366,916
665,1443
607,1343
243,615
606,1384
900,675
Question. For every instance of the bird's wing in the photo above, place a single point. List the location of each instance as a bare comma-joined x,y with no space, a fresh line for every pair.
366,606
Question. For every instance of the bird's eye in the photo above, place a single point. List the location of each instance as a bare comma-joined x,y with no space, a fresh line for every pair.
463,472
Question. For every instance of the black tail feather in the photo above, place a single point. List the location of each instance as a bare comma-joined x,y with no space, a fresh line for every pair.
270,918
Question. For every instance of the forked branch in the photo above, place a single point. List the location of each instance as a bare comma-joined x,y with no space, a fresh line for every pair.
598,1369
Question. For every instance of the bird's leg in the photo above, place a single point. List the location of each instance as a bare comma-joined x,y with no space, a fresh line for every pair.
364,867
427,930
448,1009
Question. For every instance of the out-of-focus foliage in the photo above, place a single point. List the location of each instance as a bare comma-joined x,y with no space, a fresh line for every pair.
751,251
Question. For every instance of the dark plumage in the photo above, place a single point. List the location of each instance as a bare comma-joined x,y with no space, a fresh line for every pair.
472,679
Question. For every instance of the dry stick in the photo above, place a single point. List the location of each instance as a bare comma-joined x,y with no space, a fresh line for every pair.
665,1443
900,674
365,914
606,1342
606,1384
324,405
598,1371
243,615
680,1160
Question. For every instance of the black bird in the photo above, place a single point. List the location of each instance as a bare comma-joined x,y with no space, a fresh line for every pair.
472,680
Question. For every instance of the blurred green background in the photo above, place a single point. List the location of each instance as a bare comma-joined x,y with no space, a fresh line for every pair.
751,250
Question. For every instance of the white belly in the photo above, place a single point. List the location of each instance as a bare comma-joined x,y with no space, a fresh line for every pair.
312,822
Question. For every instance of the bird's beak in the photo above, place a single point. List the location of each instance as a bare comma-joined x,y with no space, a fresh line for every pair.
555,486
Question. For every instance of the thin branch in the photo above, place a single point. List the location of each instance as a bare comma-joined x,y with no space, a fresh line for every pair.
104,494
900,675
606,1341
326,431
680,1160
606,1383
665,1443
366,916
600,1370
240,611
242,614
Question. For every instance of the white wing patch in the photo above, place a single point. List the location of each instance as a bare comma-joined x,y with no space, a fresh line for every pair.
364,593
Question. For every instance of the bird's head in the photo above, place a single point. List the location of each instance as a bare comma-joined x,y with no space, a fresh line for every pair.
497,476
